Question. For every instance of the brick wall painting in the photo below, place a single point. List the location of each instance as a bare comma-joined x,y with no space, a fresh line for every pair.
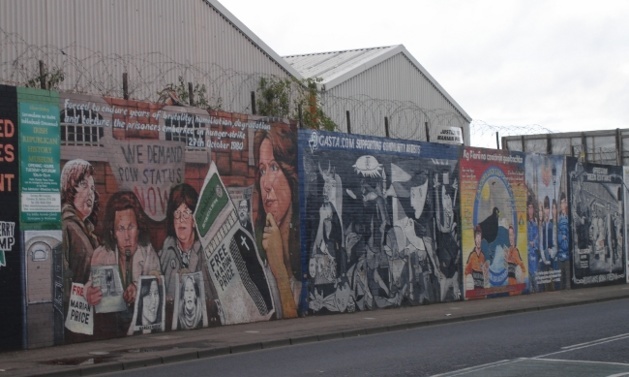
153,239
379,222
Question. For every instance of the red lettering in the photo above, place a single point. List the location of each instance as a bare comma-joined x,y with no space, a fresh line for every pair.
8,154
77,290
8,130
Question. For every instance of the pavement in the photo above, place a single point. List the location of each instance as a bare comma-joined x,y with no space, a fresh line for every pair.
119,354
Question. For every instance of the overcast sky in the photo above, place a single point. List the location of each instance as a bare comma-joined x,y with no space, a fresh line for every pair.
555,65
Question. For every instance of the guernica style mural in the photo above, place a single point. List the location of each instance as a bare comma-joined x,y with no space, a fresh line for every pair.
379,222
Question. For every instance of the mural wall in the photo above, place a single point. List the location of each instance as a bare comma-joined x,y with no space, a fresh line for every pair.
174,218
380,222
123,217
11,276
493,223
625,233
547,223
596,193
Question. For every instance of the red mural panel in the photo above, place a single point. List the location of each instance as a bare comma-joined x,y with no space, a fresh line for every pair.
175,218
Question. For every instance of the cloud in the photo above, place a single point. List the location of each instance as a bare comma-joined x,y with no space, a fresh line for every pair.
560,64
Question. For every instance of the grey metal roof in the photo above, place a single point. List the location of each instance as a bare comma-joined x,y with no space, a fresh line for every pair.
229,16
331,66
337,67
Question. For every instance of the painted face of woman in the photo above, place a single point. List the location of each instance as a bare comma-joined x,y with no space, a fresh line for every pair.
150,303
276,192
189,294
184,224
84,198
126,230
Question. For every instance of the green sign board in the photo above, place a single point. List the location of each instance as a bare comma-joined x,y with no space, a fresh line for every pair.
39,162
212,201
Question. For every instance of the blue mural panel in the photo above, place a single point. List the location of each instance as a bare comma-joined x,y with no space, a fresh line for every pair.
379,221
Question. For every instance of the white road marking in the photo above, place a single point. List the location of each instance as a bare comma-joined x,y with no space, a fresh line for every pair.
580,361
461,372
586,345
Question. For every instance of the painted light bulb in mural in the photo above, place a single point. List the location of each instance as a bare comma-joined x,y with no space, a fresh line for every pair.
84,197
276,193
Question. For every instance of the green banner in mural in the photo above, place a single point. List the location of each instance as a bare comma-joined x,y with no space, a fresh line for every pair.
212,201
39,162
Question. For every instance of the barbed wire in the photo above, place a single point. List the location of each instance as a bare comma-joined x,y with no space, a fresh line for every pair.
87,71
480,127
488,135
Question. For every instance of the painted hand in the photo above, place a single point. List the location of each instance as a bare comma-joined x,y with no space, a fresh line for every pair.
272,244
129,294
93,295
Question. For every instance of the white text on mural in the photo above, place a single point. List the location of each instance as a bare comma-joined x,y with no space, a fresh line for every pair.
7,235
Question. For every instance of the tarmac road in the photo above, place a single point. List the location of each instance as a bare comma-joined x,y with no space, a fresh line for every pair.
583,339
154,349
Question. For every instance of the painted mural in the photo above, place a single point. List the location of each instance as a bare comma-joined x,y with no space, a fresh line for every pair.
174,218
625,233
493,223
123,217
379,223
547,221
11,276
596,193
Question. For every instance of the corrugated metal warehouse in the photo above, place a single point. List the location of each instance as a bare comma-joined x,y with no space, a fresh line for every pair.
89,46
371,84
154,41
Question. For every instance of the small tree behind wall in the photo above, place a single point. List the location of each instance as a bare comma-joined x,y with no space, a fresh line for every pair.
274,99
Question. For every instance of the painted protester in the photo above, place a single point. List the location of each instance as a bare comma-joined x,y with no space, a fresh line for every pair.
128,250
182,252
277,225
79,208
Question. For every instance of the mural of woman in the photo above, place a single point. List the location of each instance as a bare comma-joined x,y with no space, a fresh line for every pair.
182,251
79,202
149,315
149,305
79,208
190,309
277,224
127,246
